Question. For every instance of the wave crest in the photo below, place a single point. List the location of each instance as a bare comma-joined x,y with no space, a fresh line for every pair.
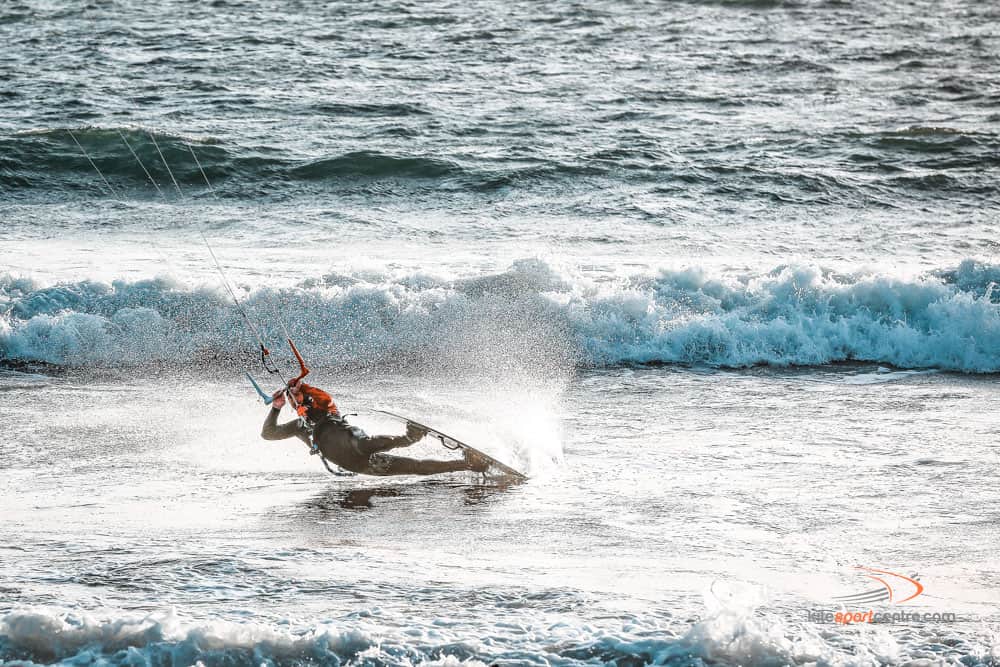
530,316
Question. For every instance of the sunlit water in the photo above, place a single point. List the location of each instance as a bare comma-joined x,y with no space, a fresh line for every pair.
159,520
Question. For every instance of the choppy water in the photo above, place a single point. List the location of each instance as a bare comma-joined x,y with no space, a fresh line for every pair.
720,275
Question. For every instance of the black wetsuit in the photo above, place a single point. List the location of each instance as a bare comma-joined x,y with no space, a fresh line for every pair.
354,450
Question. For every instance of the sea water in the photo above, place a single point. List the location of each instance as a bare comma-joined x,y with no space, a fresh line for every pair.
719,276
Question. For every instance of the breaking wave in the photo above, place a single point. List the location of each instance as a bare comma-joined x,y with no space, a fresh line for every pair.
532,315
724,636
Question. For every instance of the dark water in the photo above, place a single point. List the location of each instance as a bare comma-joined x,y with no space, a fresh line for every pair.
646,113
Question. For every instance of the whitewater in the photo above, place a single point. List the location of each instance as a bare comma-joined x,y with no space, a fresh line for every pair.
790,315
721,277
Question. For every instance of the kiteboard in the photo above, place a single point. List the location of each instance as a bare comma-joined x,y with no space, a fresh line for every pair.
449,442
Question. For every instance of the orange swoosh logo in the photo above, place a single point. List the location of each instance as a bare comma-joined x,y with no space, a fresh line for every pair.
918,587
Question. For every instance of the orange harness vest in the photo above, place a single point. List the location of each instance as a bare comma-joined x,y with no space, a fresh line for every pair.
315,400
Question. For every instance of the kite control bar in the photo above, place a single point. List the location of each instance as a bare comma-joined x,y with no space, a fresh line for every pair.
303,371
302,364
260,392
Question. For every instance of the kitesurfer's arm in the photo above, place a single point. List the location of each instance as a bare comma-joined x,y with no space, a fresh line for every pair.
272,430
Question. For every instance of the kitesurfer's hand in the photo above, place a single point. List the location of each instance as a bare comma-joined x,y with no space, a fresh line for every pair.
279,399
414,432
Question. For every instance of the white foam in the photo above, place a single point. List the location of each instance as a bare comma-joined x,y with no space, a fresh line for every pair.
530,317
732,631
75,638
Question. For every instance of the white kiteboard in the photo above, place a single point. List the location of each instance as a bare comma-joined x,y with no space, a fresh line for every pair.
449,442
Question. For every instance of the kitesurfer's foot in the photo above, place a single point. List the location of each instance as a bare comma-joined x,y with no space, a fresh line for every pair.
475,462
414,432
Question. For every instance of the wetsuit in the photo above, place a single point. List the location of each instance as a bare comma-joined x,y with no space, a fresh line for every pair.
354,450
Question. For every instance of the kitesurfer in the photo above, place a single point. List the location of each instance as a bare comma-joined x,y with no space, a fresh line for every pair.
321,426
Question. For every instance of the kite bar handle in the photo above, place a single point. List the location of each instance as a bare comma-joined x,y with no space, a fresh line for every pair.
260,392
302,363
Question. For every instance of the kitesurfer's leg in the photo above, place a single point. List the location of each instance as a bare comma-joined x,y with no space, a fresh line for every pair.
383,464
381,443
373,444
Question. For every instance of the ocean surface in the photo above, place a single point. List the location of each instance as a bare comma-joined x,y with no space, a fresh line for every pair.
720,276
